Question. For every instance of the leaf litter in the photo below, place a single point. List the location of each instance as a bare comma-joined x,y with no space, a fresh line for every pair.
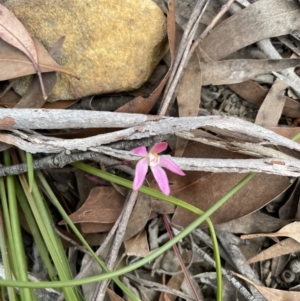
14,33
217,62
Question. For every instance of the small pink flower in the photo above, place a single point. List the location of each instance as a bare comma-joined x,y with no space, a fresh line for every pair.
156,163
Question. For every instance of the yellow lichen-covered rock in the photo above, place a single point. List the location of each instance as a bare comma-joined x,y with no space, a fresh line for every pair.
112,45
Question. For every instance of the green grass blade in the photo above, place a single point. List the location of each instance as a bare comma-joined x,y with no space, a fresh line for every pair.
4,248
35,232
16,238
81,238
6,217
52,242
30,171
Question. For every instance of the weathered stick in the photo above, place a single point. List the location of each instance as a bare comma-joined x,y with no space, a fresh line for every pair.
267,165
67,119
228,126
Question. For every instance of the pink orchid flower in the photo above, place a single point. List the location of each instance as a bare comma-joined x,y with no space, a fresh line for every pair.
156,163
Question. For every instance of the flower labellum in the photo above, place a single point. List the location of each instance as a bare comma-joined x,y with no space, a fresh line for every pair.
156,163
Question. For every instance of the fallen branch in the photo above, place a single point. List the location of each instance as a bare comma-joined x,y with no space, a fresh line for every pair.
24,119
234,128
274,166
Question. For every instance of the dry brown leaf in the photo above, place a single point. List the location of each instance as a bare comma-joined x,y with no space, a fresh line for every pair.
288,132
162,207
139,217
143,105
204,189
33,97
254,222
113,296
8,97
260,20
236,71
189,90
286,246
250,91
188,97
255,94
291,108
14,63
205,192
290,208
91,228
270,111
138,245
59,104
175,283
103,206
272,294
291,230
14,33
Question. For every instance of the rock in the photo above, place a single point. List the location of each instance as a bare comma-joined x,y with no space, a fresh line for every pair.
111,45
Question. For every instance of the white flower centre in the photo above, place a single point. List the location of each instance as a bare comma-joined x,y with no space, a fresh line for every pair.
153,159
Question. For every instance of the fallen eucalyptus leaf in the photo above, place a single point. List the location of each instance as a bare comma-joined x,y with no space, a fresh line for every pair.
260,20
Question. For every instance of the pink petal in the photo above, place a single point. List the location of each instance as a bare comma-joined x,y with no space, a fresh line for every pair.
140,174
170,165
141,150
161,179
159,147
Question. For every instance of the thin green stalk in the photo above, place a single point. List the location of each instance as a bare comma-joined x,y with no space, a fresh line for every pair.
140,263
53,243
296,137
65,216
17,241
35,232
30,172
3,246
51,239
6,217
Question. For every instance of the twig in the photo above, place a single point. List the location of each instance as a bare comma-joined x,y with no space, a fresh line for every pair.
229,277
176,251
276,166
204,237
228,126
62,159
267,165
159,287
238,260
212,24
110,262
11,84
181,56
247,148
68,119
70,240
